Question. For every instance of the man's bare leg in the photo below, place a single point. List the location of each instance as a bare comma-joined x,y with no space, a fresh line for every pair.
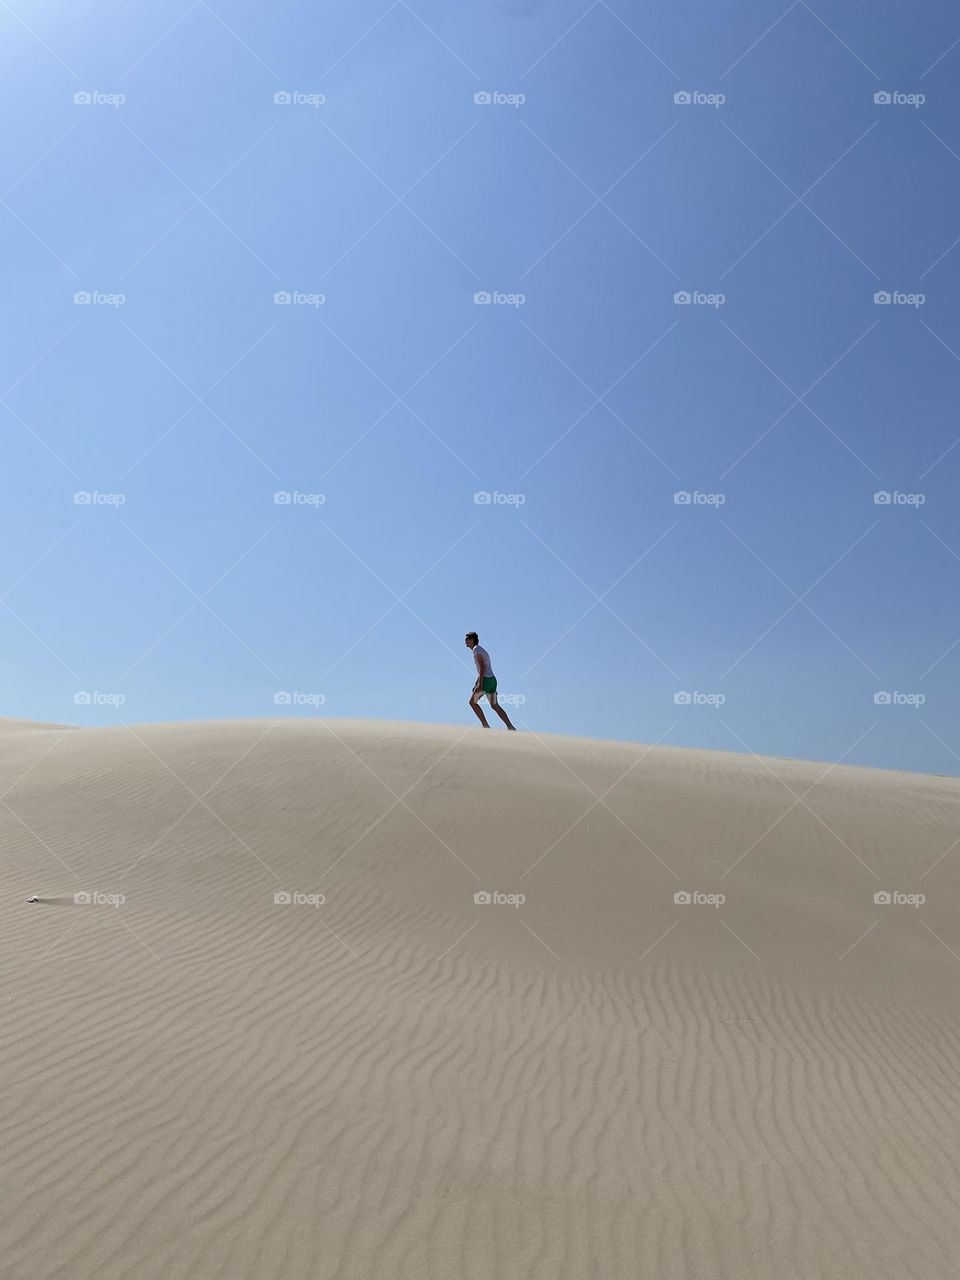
474,702
492,699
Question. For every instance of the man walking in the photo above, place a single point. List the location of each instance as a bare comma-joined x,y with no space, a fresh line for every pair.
486,682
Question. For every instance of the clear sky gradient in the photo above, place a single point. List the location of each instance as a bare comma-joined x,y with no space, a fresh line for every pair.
592,402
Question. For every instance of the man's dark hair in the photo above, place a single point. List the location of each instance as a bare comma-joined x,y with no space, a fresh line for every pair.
472,635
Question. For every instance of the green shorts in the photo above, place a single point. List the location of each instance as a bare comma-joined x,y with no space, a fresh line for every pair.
488,684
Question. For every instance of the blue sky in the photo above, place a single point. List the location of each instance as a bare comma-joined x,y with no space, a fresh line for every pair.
782,606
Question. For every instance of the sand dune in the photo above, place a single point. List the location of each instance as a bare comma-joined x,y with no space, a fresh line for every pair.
201,1082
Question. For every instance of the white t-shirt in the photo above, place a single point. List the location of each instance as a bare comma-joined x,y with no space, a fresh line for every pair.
482,659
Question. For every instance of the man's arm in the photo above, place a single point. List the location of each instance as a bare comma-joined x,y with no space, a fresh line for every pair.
476,663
